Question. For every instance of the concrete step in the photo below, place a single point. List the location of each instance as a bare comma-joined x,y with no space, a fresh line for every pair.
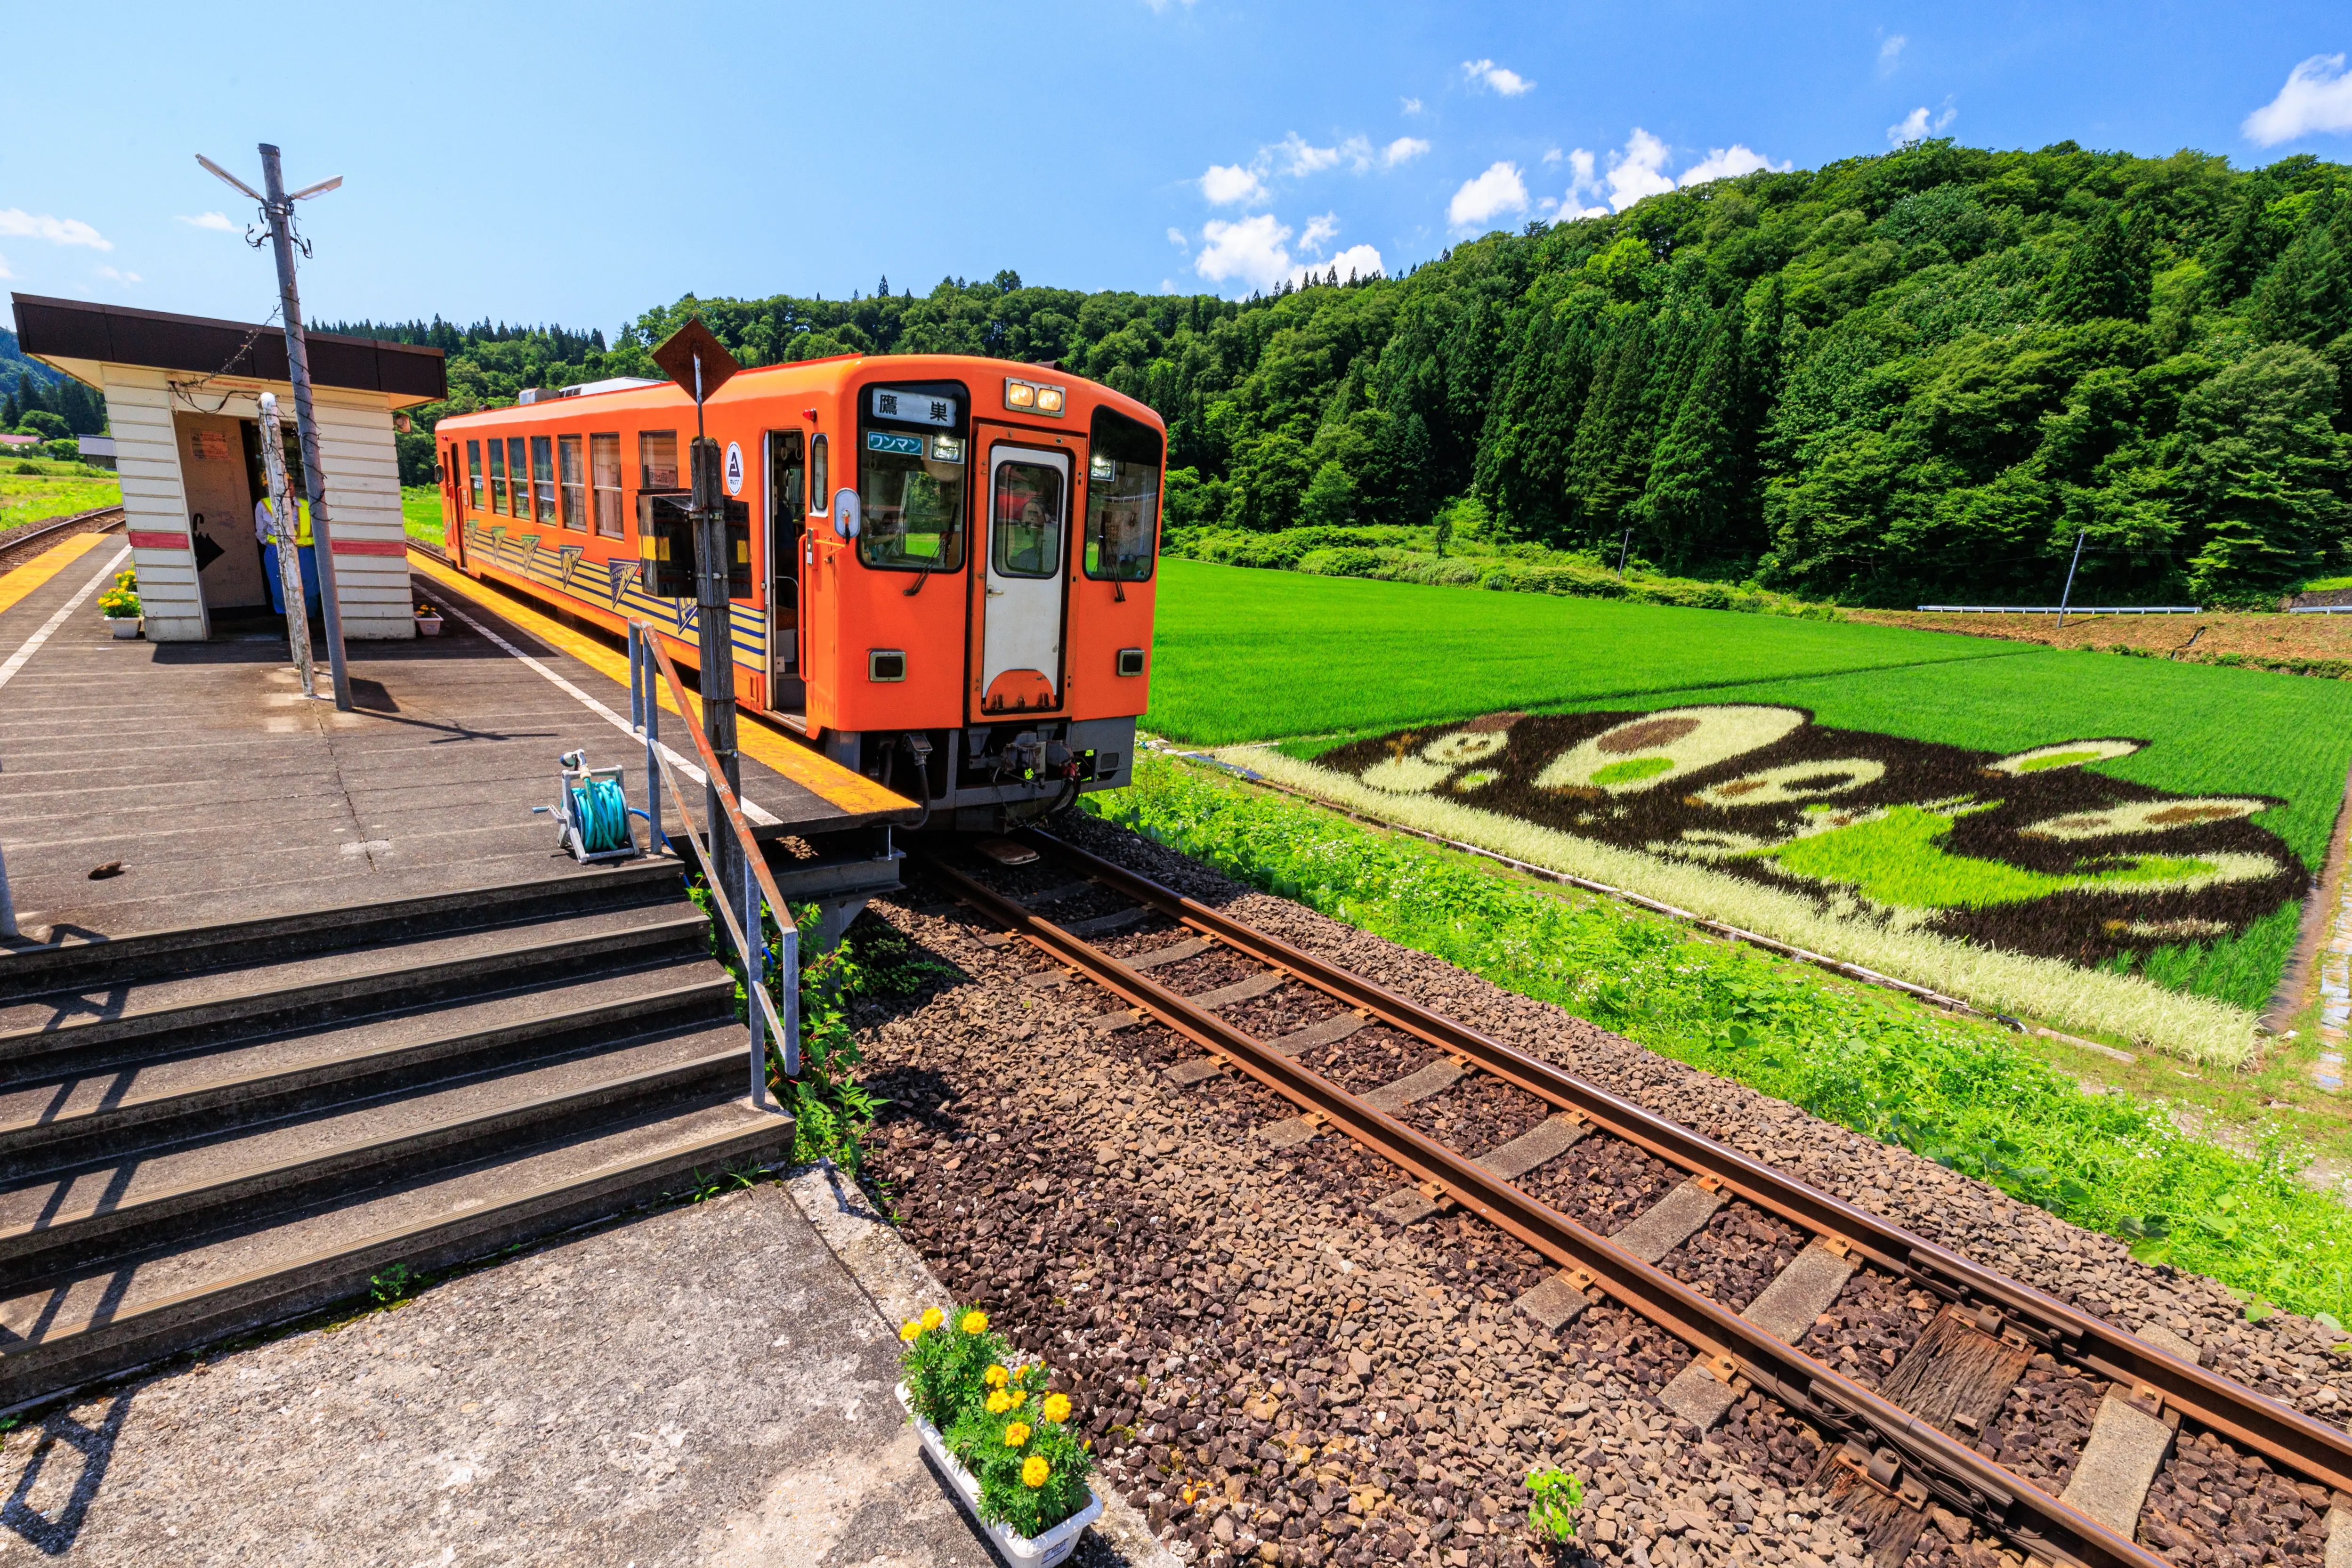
59,1221
344,986
72,966
57,1122
128,1311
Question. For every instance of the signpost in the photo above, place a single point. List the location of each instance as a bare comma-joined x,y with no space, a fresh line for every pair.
697,361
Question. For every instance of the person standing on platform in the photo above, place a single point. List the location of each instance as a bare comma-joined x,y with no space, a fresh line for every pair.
263,528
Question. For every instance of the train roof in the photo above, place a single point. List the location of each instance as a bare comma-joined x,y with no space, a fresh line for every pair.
783,380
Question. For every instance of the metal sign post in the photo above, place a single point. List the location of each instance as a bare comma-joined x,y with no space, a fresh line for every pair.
286,532
277,213
697,361
2067,597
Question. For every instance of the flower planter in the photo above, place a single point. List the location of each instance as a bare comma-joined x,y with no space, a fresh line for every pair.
428,626
1043,1550
123,626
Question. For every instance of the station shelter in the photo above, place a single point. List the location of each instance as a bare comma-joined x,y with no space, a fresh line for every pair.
183,404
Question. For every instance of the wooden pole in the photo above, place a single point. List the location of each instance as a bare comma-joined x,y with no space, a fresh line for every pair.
718,640
283,525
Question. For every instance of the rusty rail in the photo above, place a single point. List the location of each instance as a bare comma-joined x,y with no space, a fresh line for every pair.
645,655
1965,1480
2279,1432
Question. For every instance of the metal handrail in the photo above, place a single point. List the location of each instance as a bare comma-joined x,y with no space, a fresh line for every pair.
646,660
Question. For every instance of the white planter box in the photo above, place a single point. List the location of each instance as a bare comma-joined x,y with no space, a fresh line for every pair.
123,626
428,626
1045,1551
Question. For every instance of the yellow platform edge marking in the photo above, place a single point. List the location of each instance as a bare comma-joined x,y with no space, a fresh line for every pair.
819,775
24,579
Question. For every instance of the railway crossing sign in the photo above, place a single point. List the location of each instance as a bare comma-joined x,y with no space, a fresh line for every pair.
680,350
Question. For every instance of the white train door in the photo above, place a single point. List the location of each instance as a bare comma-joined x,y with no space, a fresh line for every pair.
1022,611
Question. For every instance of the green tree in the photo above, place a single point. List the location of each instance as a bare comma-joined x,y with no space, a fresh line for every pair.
40,422
2267,473
2306,297
1330,499
2103,273
1692,499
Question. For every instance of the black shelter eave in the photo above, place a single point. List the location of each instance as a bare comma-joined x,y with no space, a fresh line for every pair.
117,334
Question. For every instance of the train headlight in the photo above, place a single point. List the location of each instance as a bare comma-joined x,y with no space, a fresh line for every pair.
1049,400
1035,397
1020,394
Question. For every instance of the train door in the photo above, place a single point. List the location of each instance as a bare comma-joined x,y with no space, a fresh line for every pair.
787,540
453,505
1021,630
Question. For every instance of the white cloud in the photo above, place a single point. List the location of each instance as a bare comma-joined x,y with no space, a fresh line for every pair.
1299,158
1916,127
1412,105
1251,250
1400,150
1890,51
1554,156
2318,97
1499,190
4,267
1726,163
1361,260
208,220
1319,229
1176,237
1160,6
56,230
1231,185
119,277
1639,171
1487,74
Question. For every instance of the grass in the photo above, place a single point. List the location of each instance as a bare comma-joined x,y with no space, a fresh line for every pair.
60,489
1243,655
1971,1097
420,513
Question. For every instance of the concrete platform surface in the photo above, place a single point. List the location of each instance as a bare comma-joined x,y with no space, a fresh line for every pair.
224,793
704,1384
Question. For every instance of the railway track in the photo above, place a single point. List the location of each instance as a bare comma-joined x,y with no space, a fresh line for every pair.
28,542
1917,1441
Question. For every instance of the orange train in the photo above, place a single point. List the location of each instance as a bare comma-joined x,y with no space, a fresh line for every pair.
950,584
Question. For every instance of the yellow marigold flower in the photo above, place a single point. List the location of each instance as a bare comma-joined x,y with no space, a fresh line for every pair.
1057,1407
1000,1402
995,1377
1016,1434
934,1318
911,1330
1034,1470
974,1323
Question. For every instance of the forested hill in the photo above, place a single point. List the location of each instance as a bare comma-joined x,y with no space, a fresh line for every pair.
1900,378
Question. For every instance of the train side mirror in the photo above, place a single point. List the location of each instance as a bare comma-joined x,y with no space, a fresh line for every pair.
845,512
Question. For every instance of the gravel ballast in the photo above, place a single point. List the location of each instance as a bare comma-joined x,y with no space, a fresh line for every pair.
1275,1372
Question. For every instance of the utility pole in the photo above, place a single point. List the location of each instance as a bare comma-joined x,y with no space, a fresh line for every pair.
1624,546
277,213
2067,597
282,525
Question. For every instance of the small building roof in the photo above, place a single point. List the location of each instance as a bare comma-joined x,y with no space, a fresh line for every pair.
60,331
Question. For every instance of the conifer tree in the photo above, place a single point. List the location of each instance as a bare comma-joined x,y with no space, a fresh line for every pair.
2306,297
1694,481
2104,274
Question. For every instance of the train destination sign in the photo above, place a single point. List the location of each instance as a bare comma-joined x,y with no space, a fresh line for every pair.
885,441
915,407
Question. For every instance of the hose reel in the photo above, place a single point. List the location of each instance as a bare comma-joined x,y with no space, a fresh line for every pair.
591,813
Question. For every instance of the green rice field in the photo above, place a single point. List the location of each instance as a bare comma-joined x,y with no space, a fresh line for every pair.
420,513
1374,691
1243,655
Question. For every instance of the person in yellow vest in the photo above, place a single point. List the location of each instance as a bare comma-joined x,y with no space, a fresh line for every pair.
263,526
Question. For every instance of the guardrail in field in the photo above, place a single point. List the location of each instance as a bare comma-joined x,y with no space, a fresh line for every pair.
2061,610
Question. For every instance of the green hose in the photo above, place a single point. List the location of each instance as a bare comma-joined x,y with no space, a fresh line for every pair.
604,816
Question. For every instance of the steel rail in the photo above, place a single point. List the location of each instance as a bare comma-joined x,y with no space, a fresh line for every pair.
1966,1480
2280,1433
30,535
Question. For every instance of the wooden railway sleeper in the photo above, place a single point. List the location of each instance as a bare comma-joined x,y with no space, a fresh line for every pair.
1810,1388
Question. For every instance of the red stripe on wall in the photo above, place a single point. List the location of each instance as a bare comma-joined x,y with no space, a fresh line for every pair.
146,539
370,547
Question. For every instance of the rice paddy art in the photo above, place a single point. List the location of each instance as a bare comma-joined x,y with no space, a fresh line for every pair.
1955,867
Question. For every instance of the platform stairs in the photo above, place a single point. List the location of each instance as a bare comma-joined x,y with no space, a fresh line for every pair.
208,1130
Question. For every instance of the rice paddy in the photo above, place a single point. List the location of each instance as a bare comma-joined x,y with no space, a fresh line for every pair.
2120,847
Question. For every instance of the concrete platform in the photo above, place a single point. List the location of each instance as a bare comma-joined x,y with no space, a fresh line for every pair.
227,794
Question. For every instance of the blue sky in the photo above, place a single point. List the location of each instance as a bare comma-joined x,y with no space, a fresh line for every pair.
579,164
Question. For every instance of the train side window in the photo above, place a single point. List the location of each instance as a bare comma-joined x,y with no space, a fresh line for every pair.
542,475
657,460
820,478
519,473
605,468
1122,498
575,482
474,472
497,476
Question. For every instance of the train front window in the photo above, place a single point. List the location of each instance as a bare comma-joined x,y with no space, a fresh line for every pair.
1122,498
1027,538
910,501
